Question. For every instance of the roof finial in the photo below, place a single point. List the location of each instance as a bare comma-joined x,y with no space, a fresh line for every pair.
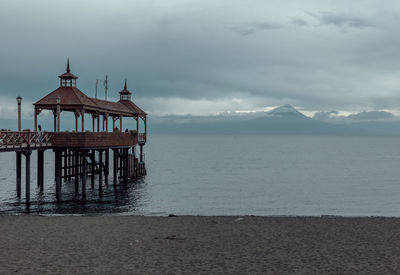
125,85
68,65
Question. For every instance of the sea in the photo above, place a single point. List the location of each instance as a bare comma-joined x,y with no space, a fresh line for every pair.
262,175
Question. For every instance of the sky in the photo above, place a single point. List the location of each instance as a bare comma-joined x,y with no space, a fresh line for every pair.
206,57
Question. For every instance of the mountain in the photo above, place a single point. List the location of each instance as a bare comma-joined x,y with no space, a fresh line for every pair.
286,110
283,120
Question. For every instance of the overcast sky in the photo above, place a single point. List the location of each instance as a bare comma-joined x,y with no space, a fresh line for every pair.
204,57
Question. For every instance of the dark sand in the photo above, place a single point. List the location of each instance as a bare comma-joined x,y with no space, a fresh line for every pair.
272,245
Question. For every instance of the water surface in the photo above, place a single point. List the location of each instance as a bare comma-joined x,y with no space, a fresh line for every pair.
235,175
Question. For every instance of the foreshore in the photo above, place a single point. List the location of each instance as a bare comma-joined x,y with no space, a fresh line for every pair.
193,244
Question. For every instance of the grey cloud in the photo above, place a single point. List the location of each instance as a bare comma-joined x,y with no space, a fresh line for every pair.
299,22
251,28
342,20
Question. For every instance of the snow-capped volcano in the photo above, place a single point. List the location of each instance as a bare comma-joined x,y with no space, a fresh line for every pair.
286,110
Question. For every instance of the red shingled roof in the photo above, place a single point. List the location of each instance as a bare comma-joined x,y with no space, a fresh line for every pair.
72,98
132,106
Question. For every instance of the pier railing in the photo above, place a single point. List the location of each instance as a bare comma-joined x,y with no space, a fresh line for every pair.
10,140
24,139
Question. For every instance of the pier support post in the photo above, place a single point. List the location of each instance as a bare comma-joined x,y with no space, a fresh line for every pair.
141,153
58,173
84,168
93,167
40,169
134,162
18,158
76,157
115,168
100,172
65,168
125,150
28,177
107,166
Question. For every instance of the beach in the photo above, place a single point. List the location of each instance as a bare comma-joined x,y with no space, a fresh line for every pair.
195,244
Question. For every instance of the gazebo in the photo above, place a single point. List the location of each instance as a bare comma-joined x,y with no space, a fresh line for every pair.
69,98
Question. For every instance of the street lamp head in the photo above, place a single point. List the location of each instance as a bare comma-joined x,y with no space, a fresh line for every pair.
58,100
19,99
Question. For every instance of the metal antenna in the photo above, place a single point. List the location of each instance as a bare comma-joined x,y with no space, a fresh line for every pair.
105,87
97,84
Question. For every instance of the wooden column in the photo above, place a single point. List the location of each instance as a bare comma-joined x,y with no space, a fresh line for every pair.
69,164
93,123
137,124
93,168
18,158
113,124
65,168
76,157
125,165
115,168
107,166
40,170
36,114
58,173
100,172
145,128
76,121
106,116
98,122
55,120
141,152
83,120
134,162
84,167
102,124
28,177
120,123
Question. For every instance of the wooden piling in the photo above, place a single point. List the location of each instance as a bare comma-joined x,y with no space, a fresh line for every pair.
76,157
18,158
106,166
28,177
58,173
125,150
84,167
40,169
93,167
100,172
115,168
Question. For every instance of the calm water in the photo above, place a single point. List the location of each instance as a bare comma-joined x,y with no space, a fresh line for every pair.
235,175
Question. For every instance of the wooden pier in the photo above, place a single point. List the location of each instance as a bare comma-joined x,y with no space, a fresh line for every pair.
81,155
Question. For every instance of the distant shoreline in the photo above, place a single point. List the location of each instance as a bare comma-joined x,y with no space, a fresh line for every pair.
196,244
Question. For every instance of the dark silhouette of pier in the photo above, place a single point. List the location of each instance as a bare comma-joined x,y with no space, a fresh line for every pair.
80,154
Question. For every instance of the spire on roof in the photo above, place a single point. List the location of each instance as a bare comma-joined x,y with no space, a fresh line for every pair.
68,65
125,94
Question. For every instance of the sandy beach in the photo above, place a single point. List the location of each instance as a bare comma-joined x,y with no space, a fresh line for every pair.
171,245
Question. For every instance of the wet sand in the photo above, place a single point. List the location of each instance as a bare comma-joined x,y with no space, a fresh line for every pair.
170,245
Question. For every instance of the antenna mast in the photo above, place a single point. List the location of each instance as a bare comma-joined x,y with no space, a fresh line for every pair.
97,84
105,87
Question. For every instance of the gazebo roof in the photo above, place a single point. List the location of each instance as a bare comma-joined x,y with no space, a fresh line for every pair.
71,98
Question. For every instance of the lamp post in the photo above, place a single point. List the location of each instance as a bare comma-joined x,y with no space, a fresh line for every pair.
58,113
19,100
